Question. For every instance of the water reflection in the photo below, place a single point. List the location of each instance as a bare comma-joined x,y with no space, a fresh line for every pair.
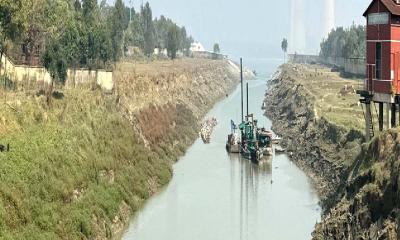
250,176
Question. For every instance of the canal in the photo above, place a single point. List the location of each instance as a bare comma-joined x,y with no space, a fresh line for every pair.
217,196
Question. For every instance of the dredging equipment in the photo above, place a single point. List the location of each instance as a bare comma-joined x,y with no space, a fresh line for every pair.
256,142
252,142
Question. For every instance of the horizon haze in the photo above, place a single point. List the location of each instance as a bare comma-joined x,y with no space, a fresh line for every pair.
232,23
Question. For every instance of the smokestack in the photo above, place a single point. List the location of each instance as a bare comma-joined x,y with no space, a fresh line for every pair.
329,17
297,41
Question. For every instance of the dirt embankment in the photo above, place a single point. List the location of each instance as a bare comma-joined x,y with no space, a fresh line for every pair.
80,168
358,183
320,144
196,83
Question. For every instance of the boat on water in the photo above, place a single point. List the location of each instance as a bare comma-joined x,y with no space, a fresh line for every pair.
251,142
233,143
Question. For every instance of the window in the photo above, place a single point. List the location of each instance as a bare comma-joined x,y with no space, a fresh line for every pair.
378,60
378,18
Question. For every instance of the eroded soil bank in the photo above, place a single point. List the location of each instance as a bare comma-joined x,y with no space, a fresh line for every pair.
316,112
321,142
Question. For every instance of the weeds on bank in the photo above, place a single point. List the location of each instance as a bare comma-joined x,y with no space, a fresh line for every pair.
50,181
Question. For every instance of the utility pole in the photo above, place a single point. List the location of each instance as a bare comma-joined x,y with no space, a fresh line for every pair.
241,85
247,98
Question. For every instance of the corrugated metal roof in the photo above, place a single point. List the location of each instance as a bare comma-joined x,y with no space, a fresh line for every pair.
389,4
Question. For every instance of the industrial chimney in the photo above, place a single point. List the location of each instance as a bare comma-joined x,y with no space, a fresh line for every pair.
329,17
297,39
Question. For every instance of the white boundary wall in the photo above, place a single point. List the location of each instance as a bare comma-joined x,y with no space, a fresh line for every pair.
24,73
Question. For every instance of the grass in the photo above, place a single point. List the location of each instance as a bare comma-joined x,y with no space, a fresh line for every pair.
324,87
61,151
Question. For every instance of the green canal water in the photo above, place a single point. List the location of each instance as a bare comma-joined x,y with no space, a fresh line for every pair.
217,196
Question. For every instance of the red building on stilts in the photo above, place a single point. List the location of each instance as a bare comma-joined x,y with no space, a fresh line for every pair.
382,84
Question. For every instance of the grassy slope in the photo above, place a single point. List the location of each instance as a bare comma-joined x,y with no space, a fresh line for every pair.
324,86
56,152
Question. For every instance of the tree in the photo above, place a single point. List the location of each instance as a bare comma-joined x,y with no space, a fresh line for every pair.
216,48
344,43
173,41
284,46
55,63
188,43
182,39
77,5
148,29
137,32
71,40
117,30
13,21
89,10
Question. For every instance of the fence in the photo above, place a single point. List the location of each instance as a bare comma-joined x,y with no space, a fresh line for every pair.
38,75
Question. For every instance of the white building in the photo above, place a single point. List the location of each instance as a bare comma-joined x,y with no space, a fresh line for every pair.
197,47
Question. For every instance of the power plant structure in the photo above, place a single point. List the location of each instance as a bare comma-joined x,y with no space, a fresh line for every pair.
298,27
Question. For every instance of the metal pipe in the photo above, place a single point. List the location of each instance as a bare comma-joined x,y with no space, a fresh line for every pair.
241,85
247,101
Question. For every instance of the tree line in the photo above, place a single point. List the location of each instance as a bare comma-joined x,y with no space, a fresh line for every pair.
345,43
85,33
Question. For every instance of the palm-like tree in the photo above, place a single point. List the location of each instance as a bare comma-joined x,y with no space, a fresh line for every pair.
284,47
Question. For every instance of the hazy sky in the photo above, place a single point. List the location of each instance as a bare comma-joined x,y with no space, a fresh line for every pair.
251,28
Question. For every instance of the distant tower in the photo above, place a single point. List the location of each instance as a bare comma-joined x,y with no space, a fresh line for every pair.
329,17
297,40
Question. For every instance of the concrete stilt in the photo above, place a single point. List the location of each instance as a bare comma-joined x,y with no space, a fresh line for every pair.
393,110
380,117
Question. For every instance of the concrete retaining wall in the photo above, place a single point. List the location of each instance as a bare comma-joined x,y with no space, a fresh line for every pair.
354,66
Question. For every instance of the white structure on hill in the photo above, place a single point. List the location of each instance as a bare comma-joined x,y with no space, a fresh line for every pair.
197,47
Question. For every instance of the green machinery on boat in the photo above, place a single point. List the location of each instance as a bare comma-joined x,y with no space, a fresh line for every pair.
254,142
